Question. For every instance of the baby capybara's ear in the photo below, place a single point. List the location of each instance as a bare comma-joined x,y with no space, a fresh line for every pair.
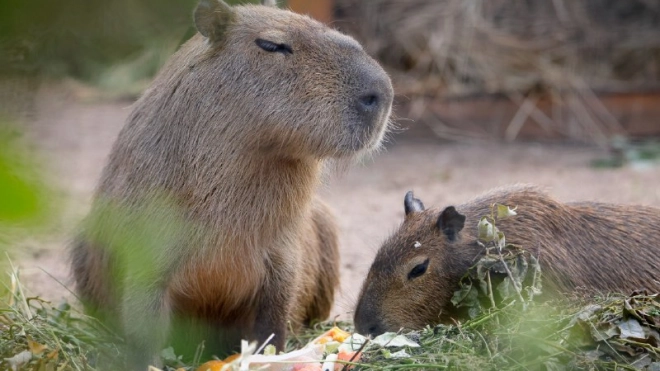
412,204
450,222
212,18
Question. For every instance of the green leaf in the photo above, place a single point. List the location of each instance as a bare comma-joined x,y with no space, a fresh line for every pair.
462,293
506,289
604,331
631,329
270,350
386,353
485,230
394,340
168,355
504,211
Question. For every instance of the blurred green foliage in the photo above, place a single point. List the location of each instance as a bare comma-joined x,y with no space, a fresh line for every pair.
19,196
102,42
24,199
642,153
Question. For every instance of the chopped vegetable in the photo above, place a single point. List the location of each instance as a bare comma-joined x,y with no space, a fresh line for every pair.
214,365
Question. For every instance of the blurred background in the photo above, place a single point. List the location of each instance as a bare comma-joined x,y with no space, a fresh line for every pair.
561,93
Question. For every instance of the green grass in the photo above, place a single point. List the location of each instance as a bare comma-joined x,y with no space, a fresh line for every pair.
585,334
597,333
55,337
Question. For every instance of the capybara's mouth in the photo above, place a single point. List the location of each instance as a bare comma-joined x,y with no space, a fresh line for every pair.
373,135
362,138
365,135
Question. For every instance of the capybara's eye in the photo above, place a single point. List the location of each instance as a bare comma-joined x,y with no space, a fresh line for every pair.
418,270
272,47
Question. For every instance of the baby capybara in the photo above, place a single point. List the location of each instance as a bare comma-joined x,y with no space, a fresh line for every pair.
596,246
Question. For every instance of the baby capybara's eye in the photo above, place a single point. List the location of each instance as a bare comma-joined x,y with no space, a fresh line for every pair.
418,270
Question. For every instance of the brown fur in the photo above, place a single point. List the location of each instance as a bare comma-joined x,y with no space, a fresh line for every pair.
595,246
233,139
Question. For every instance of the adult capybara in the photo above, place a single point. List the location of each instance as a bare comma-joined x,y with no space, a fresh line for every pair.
206,212
600,247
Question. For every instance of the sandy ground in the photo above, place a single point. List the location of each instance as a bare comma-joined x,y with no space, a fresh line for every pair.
74,139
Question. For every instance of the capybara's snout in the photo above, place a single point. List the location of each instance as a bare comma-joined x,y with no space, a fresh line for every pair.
373,100
370,105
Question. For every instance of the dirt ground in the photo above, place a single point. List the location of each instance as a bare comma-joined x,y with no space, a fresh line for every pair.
74,137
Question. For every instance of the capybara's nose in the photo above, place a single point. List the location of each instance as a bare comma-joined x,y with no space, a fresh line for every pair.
374,99
369,102
375,329
374,92
371,327
367,320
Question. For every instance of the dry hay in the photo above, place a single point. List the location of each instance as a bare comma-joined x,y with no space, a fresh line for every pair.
562,50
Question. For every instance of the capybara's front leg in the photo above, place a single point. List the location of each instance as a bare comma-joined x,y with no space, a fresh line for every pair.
146,323
273,309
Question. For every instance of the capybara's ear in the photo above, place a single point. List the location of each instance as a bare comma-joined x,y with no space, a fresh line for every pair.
269,3
412,204
212,18
451,222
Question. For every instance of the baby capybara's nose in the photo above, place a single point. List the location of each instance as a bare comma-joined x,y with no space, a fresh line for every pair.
367,320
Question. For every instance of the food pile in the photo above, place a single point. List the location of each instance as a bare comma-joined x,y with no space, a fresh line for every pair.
330,351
